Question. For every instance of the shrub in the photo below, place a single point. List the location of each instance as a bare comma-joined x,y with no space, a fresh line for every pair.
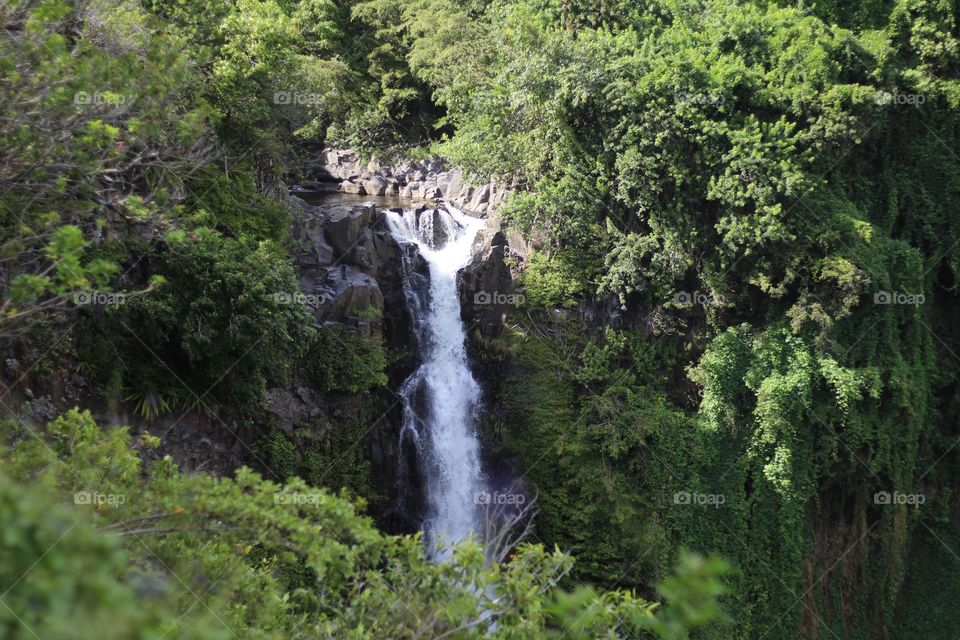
346,362
219,329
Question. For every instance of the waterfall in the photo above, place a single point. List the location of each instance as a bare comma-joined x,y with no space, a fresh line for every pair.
441,397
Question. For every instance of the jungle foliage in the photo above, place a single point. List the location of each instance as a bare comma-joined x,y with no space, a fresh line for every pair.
773,187
97,544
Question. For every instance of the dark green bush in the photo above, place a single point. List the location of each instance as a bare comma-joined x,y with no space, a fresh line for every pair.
345,361
218,331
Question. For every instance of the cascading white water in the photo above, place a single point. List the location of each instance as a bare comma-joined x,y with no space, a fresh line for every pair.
442,424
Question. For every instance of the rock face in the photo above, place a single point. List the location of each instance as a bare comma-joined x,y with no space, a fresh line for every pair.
351,274
486,287
375,185
352,187
344,226
428,179
348,264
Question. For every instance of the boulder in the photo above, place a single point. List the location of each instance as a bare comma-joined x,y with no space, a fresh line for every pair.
430,192
375,186
349,292
327,172
454,185
466,194
317,186
319,253
363,255
352,187
349,170
345,225
482,196
299,203
518,245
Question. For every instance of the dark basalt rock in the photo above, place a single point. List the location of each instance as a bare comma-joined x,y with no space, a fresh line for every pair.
375,186
426,179
345,224
350,264
486,288
348,292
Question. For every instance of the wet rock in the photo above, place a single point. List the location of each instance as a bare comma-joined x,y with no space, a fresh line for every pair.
438,232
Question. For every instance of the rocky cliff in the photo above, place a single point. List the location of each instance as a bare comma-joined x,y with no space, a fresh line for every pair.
428,179
352,275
